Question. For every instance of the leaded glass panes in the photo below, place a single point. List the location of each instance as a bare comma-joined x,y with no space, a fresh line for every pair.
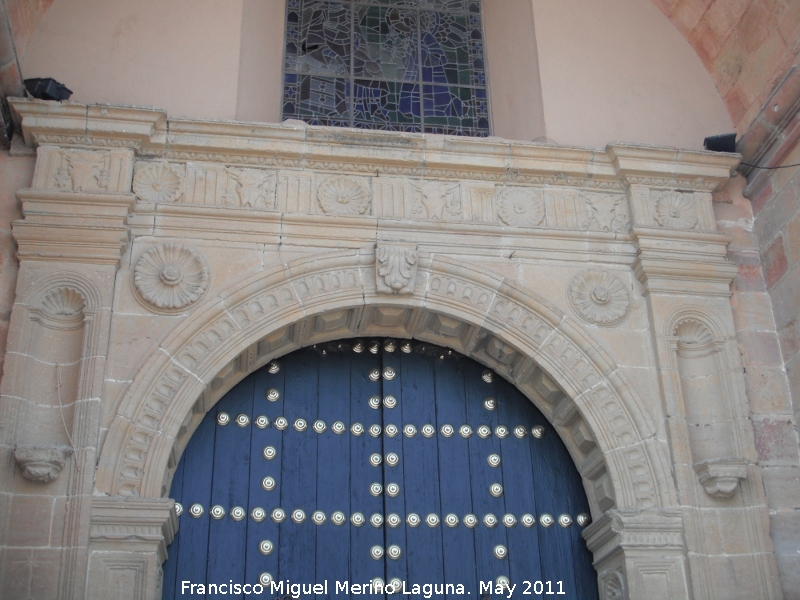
396,65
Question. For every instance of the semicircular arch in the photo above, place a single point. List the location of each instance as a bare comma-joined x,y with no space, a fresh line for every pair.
494,320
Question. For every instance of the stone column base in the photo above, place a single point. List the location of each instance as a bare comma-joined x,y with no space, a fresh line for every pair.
127,546
639,555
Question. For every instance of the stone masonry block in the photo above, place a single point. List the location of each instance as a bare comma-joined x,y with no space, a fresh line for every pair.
776,440
759,348
767,390
775,262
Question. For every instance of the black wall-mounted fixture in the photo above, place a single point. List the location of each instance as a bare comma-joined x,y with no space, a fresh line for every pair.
47,88
720,143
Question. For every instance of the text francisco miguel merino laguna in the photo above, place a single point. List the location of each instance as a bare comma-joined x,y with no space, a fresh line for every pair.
375,586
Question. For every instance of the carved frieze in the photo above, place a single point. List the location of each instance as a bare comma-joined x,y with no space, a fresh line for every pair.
598,297
42,464
395,269
158,182
171,276
520,207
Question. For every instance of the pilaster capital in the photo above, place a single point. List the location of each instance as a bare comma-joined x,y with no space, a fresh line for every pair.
130,524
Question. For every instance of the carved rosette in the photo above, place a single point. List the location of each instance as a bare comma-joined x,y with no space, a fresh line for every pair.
520,207
343,196
171,276
396,269
675,210
158,182
42,464
598,297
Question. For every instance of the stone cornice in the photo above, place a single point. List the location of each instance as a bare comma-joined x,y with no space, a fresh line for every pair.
294,145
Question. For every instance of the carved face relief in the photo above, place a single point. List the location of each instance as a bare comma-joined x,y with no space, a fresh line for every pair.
520,207
171,276
603,212
85,167
254,189
342,196
438,201
598,297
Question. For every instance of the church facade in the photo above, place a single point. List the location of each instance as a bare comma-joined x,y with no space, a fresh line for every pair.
630,291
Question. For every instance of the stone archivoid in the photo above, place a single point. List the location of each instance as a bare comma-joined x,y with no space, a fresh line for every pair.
164,261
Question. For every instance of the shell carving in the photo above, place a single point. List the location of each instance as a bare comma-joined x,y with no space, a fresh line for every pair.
343,196
520,208
676,211
598,297
158,182
63,303
171,276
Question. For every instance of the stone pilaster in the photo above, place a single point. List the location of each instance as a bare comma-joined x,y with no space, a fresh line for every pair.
69,245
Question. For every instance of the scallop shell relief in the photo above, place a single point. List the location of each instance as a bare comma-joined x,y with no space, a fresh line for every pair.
342,196
598,297
171,276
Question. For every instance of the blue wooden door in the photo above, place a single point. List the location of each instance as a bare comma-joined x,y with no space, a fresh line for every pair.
383,462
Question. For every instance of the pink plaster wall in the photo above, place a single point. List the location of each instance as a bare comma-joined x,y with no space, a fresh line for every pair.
181,55
611,70
513,70
619,70
260,91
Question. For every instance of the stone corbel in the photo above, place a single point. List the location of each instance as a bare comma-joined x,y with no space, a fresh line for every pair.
721,477
42,464
395,268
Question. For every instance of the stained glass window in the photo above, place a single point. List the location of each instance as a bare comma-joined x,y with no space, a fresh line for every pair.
396,65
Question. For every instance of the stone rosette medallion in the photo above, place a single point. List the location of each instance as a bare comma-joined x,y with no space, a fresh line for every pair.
520,207
675,210
598,297
158,182
171,276
343,196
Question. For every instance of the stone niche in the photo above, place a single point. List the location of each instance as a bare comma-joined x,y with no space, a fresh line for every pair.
162,260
